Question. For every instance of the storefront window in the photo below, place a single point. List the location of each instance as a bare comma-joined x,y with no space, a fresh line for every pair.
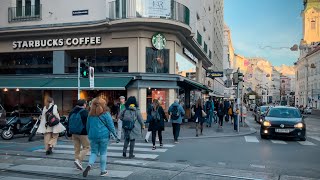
157,61
26,63
103,60
185,68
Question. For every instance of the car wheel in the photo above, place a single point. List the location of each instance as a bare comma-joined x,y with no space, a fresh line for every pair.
264,136
303,139
7,134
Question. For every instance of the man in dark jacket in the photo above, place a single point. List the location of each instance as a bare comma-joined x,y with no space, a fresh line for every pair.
78,132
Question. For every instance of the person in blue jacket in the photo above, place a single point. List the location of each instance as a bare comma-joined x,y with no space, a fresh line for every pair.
99,127
176,112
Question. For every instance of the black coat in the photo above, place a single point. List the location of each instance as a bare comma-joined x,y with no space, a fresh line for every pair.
198,114
155,125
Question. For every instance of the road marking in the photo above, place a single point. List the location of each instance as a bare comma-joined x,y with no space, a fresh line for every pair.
306,143
251,139
144,144
16,178
109,154
132,162
65,170
34,159
222,163
278,142
315,137
258,166
120,148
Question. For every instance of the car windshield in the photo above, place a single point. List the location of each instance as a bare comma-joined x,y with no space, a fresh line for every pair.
284,113
264,108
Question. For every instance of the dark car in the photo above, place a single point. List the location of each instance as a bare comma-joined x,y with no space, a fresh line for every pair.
283,122
261,111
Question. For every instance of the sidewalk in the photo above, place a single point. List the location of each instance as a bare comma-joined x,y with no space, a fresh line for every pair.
188,131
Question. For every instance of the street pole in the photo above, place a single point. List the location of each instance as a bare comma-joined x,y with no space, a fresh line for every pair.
78,78
238,103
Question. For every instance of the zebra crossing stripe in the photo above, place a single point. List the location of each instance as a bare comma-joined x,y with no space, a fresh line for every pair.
315,137
65,170
109,154
119,148
144,144
251,139
278,142
306,143
15,178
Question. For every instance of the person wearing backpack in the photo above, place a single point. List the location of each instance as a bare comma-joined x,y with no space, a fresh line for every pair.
209,107
156,117
221,113
99,127
132,125
176,112
51,133
76,128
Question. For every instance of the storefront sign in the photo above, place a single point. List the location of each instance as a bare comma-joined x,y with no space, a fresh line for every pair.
159,8
190,55
159,41
214,74
56,42
80,12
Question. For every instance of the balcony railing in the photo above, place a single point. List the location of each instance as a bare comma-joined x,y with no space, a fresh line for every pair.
124,9
24,13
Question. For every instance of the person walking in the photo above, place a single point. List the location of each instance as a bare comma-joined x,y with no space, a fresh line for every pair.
230,112
226,108
51,134
221,114
76,127
132,124
99,127
244,114
156,122
209,107
121,107
148,134
235,116
198,117
176,113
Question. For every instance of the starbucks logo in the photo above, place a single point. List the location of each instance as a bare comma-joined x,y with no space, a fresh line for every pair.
159,41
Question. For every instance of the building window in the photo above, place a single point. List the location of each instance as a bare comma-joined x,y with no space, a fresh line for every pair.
210,54
198,16
157,61
25,10
199,38
205,47
313,24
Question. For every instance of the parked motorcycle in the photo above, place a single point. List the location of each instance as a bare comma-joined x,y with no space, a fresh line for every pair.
16,125
35,127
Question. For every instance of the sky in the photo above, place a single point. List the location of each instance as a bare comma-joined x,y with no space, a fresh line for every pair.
256,24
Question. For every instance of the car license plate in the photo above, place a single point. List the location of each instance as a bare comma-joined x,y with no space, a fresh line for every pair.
282,130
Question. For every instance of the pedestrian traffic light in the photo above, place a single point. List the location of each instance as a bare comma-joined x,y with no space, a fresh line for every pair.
84,69
235,78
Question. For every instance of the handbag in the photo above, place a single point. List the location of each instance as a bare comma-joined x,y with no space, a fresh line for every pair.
204,114
51,119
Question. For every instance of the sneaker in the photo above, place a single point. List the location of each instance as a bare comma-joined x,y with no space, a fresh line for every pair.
146,140
86,171
197,135
78,165
176,142
161,145
104,173
131,156
154,148
124,155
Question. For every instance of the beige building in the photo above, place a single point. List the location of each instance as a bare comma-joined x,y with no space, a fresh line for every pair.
307,92
137,48
228,61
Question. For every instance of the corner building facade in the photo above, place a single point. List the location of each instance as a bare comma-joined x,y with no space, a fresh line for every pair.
144,48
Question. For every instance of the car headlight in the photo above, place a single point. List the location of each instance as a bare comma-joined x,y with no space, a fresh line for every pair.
266,124
299,125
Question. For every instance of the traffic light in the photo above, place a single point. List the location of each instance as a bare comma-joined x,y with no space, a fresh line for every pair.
84,69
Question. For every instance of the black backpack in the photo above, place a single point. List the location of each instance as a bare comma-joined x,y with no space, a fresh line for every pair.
175,113
155,114
51,119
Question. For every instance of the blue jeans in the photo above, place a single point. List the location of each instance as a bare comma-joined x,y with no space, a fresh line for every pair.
209,118
99,146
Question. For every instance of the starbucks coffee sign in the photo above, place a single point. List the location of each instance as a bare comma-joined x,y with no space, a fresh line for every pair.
158,41
56,42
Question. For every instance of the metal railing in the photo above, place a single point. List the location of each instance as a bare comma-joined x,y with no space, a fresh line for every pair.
125,9
24,13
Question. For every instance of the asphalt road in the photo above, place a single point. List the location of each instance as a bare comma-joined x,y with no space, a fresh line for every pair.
207,158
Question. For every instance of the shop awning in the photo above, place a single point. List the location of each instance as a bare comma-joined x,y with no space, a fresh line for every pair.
195,85
215,95
116,83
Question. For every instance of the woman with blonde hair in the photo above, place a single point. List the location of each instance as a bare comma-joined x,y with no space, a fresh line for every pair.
51,134
99,127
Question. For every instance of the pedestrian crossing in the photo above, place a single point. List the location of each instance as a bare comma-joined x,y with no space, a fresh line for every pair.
311,141
141,150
